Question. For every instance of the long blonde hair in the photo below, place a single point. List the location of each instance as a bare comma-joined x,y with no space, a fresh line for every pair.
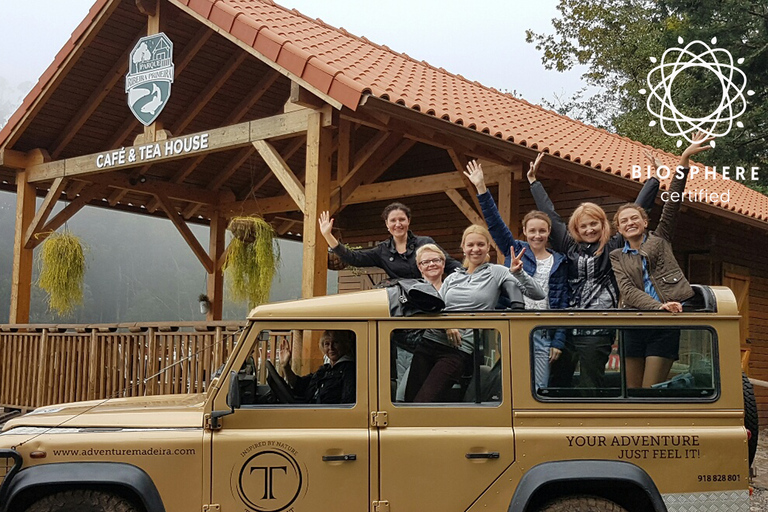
476,229
594,211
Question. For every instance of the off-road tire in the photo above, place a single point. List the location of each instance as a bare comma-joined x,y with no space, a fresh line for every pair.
751,420
582,504
82,500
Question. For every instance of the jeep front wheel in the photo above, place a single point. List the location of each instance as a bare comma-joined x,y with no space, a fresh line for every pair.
81,500
582,504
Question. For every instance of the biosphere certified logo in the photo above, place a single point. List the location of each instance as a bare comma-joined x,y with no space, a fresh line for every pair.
661,80
149,78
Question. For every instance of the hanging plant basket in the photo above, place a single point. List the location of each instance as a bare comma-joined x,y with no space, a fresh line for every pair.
62,270
252,259
245,229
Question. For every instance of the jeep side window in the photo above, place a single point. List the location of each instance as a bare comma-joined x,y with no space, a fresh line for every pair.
446,366
640,362
280,371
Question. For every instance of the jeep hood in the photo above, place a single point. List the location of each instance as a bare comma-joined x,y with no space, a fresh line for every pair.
162,411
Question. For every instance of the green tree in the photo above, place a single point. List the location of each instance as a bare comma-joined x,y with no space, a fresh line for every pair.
616,40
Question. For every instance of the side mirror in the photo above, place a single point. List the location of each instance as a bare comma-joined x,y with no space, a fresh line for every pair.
233,401
233,397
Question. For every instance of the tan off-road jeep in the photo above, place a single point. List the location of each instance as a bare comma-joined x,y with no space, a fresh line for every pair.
268,437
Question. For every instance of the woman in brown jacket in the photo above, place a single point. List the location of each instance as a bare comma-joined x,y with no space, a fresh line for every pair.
650,278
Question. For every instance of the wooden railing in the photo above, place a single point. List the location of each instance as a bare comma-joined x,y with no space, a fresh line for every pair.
47,364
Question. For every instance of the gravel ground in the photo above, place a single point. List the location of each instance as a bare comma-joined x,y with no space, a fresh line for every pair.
759,502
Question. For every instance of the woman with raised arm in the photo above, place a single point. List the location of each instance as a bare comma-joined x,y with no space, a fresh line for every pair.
547,267
649,276
586,242
444,355
396,255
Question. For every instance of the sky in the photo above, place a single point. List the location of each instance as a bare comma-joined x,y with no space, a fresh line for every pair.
485,42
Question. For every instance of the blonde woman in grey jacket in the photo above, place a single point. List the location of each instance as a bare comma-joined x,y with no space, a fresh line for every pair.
444,355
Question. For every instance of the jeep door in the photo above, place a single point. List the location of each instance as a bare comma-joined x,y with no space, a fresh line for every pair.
271,455
442,454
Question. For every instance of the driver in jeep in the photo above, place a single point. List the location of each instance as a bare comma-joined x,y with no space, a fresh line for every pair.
332,383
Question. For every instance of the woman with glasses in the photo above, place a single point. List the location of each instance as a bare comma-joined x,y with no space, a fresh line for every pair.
445,355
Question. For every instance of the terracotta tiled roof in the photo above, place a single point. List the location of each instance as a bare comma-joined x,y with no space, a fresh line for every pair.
346,68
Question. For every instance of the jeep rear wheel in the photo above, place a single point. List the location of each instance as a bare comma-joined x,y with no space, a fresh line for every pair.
751,420
82,500
582,504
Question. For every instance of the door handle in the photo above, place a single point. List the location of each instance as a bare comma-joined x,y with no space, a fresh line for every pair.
339,458
485,455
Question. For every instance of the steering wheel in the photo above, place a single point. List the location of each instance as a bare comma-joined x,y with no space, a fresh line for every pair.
278,386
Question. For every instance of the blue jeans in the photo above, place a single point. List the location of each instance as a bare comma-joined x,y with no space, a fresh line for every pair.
541,344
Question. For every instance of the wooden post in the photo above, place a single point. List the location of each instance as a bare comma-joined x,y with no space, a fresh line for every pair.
216,279
21,280
317,200
93,366
509,207
42,370
152,9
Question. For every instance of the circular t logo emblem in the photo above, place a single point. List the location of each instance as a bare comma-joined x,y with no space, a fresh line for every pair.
270,481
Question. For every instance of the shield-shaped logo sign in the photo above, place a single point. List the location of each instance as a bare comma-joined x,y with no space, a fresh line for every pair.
149,78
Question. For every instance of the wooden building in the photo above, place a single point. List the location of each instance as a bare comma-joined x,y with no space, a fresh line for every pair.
277,114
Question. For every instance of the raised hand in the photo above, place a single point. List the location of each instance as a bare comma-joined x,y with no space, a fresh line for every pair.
326,223
653,159
698,145
516,265
534,167
475,174
326,228
284,353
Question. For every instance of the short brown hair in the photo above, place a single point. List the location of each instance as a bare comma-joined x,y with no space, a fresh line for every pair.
629,206
395,206
537,214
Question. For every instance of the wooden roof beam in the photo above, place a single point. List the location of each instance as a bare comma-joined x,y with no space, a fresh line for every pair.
202,99
363,156
468,211
186,233
65,214
175,191
283,173
218,139
13,159
360,172
100,92
219,180
292,148
460,160
54,193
